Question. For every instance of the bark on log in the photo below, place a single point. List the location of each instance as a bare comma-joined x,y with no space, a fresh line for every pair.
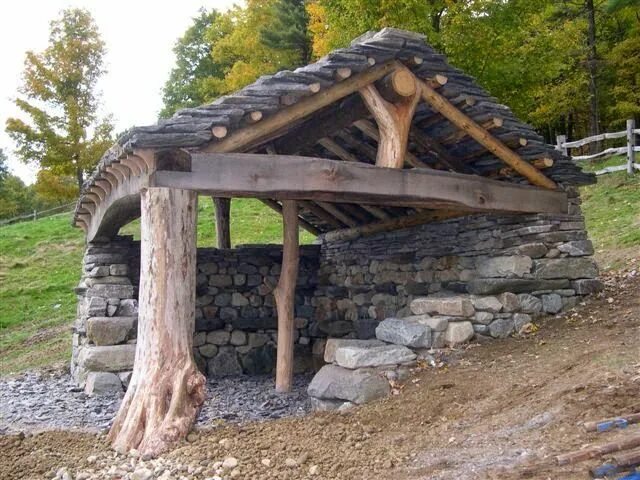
166,388
284,294
223,233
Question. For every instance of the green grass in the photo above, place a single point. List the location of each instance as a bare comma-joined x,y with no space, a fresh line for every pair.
612,208
40,265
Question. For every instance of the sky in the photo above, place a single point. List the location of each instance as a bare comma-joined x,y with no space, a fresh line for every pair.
139,37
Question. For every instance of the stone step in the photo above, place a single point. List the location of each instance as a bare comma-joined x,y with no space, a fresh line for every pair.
364,357
404,331
334,343
452,305
356,386
115,358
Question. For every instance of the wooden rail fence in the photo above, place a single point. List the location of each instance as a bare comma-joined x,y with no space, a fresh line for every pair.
630,149
39,214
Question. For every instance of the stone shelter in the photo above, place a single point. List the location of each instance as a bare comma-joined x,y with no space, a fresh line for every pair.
427,196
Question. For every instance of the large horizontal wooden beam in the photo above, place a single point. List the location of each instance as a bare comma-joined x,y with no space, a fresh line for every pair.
306,178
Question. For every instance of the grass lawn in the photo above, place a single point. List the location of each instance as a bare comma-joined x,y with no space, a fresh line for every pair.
40,265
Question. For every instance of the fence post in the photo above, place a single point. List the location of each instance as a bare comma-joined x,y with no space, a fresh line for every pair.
560,141
631,143
35,214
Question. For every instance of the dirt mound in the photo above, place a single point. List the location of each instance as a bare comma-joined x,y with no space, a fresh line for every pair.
488,414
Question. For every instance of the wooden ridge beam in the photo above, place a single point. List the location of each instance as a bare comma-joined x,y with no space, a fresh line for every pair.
321,180
482,136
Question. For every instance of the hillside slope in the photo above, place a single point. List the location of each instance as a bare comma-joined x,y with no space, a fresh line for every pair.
40,262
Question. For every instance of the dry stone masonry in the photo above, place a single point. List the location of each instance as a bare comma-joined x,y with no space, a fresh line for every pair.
393,294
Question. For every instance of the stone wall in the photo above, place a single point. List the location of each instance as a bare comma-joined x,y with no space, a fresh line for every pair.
235,320
541,261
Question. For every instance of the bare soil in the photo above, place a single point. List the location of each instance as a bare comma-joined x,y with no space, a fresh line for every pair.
500,410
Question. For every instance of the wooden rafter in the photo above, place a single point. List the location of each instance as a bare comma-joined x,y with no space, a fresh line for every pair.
370,130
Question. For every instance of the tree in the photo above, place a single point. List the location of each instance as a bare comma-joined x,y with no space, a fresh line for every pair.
289,30
4,168
63,133
194,64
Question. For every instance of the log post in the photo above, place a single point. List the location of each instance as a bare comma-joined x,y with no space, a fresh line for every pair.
284,294
631,144
393,115
166,388
223,234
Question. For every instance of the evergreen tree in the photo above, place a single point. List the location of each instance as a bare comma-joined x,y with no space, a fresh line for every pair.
289,30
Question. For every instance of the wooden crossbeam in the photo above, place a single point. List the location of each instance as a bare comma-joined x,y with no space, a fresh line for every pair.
482,136
303,223
321,180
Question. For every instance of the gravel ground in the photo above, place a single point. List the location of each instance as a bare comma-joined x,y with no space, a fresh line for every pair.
34,402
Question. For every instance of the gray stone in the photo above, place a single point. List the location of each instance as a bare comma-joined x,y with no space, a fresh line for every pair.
483,318
218,337
220,280
101,271
456,306
501,267
486,303
529,303
362,357
119,269
356,386
501,328
553,253
404,332
458,332
113,358
336,328
365,328
110,330
437,323
320,405
222,299
489,286
97,307
520,320
125,378
533,250
587,286
224,363
239,300
128,308
102,383
199,339
438,339
577,248
481,329
208,350
208,268
571,268
551,303
259,360
510,302
110,291
257,339
238,337
333,344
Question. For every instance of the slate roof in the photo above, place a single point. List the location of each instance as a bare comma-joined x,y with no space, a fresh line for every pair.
191,128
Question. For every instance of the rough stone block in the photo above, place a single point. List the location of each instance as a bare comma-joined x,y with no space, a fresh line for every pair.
199,339
208,350
577,248
533,250
520,320
483,318
128,307
363,357
239,300
486,303
458,332
437,323
110,330
571,268
119,269
320,405
587,286
102,383
501,328
333,344
110,291
356,386
510,302
225,363
456,306
404,332
365,328
97,307
101,271
501,267
260,360
218,337
529,303
552,303
238,337
113,358
438,339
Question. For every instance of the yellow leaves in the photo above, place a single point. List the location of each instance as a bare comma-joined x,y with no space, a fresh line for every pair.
319,29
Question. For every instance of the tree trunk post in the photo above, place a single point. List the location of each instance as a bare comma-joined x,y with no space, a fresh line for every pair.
284,294
560,141
166,388
631,143
223,233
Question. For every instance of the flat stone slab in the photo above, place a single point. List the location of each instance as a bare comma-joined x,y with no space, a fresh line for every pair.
404,331
437,323
356,386
501,267
334,343
570,267
110,330
363,357
114,358
101,383
455,306
487,303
